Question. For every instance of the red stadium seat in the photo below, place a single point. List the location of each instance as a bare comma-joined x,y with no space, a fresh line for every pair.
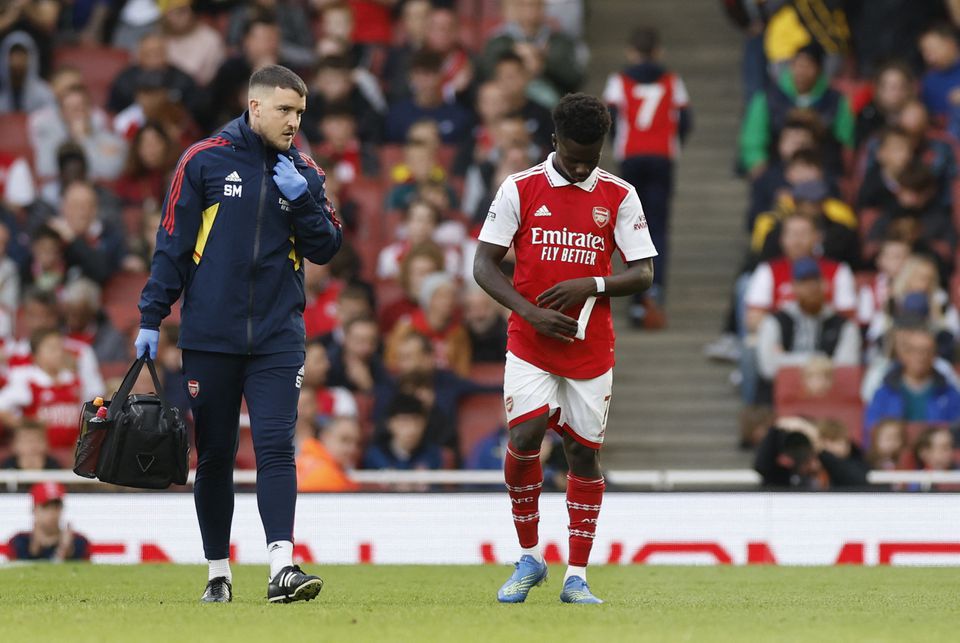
842,403
15,136
99,66
478,416
489,373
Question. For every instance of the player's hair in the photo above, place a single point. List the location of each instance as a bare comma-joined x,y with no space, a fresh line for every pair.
272,76
940,28
806,156
582,118
403,404
645,40
38,336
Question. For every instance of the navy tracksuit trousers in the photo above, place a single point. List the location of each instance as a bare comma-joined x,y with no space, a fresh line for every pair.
215,384
652,176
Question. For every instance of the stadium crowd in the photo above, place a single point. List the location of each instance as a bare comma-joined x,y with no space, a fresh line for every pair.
417,111
844,319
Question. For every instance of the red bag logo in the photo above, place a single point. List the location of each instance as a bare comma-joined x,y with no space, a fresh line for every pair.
193,387
601,216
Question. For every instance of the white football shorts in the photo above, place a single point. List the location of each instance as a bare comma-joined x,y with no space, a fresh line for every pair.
576,407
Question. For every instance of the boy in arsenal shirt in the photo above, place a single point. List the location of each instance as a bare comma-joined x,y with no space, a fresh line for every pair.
564,219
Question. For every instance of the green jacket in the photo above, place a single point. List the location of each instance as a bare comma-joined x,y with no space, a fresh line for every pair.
761,123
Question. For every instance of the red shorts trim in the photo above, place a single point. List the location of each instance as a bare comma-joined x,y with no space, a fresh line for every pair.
566,428
529,415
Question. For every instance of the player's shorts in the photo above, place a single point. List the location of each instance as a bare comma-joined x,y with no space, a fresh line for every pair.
576,407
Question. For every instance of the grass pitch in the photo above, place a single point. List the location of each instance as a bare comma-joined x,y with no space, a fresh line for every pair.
417,603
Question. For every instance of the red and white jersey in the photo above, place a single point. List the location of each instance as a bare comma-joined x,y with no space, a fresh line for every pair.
53,401
771,285
563,231
16,354
648,115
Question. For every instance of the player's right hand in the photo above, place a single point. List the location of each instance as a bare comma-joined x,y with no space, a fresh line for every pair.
553,324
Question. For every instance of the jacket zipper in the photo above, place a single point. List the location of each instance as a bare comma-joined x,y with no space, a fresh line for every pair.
256,251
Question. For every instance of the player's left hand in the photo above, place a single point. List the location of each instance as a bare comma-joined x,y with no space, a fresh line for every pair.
292,184
567,294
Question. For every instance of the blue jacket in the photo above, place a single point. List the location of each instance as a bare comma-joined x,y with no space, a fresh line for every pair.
234,247
889,403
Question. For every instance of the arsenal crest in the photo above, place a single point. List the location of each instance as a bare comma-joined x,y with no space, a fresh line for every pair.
193,387
601,216
508,403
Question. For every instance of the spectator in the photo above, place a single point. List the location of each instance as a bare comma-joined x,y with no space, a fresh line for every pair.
478,147
86,322
941,55
917,216
419,261
420,168
427,102
345,157
441,426
324,462
646,141
894,154
933,450
355,364
553,59
486,326
23,90
874,296
336,83
48,268
9,286
48,391
420,224
413,26
803,85
50,539
437,318
74,118
443,38
894,87
805,327
841,458
786,457
135,20
797,135
405,446
151,56
192,45
331,401
227,94
913,390
888,444
91,245
481,188
935,153
29,449
145,176
813,23
835,221
511,76
296,39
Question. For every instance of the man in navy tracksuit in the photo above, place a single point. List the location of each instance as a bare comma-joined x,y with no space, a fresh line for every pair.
243,212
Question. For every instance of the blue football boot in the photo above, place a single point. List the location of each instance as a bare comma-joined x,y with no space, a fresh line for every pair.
528,574
576,590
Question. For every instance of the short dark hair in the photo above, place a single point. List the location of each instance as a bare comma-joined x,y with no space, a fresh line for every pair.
582,118
272,76
918,178
403,404
806,156
645,40
797,447
426,60
940,28
341,63
260,17
509,56
43,231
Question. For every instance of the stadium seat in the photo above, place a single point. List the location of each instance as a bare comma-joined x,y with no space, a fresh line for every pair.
478,416
842,403
120,297
99,66
488,373
15,135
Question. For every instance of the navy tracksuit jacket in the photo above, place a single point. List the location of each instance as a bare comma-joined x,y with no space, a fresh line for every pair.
234,247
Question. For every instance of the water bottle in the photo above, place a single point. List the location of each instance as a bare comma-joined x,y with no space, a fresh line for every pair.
101,415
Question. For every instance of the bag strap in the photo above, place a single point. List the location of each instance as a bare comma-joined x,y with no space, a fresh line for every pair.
127,385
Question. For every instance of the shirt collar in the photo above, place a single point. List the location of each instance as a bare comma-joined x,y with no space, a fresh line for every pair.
556,180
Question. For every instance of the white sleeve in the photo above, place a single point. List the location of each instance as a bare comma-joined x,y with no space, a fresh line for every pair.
88,369
16,394
680,96
613,92
768,347
847,352
844,290
20,189
632,234
503,218
344,403
759,293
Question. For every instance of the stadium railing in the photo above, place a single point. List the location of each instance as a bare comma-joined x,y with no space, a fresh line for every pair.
663,479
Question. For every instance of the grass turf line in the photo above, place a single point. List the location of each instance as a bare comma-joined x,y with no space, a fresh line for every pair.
431,603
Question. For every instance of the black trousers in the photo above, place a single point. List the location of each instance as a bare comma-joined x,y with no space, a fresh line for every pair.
652,176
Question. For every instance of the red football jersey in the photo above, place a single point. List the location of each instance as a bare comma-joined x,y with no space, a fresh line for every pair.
648,115
564,231
54,401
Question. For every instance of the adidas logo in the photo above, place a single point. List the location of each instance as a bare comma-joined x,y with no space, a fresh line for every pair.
543,212
233,176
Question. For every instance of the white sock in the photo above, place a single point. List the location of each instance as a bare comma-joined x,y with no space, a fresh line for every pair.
532,551
575,571
281,555
218,568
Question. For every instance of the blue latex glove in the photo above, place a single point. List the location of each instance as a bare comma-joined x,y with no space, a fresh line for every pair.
147,340
292,184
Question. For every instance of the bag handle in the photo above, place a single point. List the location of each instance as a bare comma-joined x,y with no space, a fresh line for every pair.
127,385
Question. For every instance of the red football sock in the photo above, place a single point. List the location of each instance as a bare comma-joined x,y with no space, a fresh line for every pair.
524,477
583,505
